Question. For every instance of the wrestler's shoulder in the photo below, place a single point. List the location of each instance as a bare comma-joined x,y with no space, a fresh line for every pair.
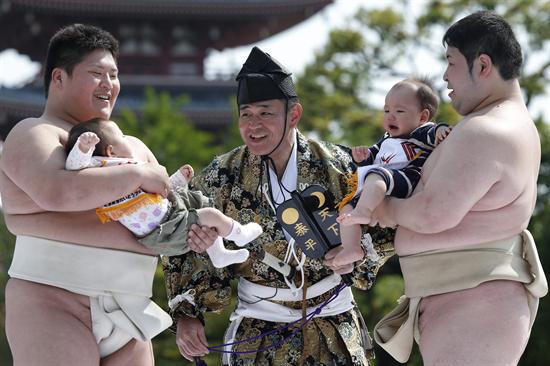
489,137
489,129
142,149
30,127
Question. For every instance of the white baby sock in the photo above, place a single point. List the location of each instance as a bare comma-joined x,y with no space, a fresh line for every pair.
222,257
243,234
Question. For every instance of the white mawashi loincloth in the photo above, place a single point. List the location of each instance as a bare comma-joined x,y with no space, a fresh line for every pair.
118,283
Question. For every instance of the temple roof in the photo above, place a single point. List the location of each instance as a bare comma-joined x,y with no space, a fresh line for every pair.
156,37
163,43
175,8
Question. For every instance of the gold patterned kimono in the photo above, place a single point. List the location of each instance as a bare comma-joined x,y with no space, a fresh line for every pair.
232,181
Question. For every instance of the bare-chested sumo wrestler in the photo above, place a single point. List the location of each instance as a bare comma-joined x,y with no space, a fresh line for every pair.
79,290
471,270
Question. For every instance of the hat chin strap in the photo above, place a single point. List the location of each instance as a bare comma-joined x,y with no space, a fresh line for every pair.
265,159
282,136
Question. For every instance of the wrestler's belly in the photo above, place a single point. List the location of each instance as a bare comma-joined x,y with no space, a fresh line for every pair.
475,228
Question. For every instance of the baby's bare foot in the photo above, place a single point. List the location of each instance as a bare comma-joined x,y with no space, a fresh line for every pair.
355,217
349,255
187,171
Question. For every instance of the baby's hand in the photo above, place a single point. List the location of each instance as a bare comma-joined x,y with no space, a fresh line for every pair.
360,153
86,141
441,133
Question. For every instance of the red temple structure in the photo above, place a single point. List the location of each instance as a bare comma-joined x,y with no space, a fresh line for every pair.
163,44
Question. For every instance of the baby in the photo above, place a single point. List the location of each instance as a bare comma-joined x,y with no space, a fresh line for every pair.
100,143
392,166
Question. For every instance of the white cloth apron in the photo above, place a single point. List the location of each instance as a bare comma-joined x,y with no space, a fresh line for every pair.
118,283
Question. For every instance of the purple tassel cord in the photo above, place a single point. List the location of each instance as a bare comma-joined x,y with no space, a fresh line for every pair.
199,361
304,321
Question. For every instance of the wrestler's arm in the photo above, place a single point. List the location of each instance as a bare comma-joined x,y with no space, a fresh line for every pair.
14,200
34,159
24,217
75,227
469,165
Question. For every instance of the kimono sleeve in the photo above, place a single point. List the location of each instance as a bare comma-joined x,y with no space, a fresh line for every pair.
193,285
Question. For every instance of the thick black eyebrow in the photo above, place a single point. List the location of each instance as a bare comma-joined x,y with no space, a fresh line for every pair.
99,66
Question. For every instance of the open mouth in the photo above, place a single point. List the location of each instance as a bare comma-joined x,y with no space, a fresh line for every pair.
104,97
257,137
393,128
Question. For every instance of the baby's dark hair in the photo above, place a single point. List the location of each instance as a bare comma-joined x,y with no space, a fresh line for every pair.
94,125
425,94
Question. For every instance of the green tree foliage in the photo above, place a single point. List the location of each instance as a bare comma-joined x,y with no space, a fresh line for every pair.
529,18
168,133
